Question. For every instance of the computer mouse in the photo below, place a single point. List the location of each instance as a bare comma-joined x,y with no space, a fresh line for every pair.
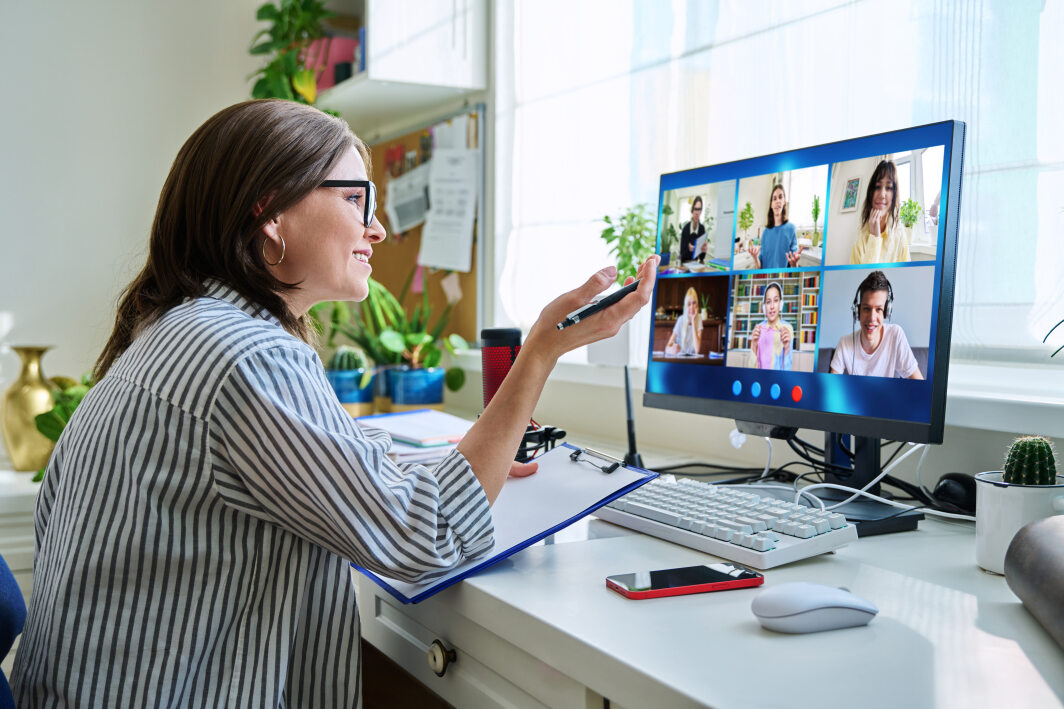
800,607
957,489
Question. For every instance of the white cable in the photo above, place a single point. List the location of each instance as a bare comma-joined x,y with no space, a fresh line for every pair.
768,463
875,480
892,503
919,465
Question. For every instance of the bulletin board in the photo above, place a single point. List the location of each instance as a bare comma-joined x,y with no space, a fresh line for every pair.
394,258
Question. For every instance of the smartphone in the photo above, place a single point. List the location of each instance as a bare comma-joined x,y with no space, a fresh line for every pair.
688,579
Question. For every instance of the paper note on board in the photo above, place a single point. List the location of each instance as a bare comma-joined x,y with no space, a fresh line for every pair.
447,238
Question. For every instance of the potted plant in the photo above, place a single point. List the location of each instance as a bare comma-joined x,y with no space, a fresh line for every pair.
288,73
631,237
816,217
1027,489
746,220
670,236
705,309
351,377
909,214
398,341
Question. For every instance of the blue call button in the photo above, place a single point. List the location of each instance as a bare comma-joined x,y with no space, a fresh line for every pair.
737,387
774,392
755,389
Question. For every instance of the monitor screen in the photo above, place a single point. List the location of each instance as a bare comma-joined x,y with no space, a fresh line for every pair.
812,288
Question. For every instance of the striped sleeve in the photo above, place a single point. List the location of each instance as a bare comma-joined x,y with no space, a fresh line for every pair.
285,451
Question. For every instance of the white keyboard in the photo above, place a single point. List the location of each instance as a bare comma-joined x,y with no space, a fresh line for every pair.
755,530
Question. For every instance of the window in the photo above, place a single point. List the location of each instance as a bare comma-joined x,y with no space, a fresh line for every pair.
598,99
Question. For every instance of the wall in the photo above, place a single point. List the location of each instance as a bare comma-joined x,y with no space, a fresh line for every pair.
757,191
99,96
841,231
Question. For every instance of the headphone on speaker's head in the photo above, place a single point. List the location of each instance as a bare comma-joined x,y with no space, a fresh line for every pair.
887,309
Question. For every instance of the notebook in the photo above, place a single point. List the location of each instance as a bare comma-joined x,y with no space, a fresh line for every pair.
528,509
423,427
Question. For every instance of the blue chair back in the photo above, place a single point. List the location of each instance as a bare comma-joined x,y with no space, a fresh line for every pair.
12,618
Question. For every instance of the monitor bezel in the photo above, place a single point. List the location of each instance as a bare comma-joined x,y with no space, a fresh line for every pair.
931,431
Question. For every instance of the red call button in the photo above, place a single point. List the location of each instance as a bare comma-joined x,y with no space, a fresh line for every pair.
796,393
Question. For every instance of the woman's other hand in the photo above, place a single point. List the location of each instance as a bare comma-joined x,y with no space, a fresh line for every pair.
793,256
785,336
756,333
522,470
546,340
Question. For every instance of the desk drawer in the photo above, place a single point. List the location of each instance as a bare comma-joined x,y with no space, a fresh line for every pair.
487,671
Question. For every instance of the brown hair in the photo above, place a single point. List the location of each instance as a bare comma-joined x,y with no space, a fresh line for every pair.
885,168
205,225
783,212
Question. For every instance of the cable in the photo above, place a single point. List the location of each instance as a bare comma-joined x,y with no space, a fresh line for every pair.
871,484
768,461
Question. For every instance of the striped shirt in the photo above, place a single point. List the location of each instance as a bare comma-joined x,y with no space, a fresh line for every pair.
197,520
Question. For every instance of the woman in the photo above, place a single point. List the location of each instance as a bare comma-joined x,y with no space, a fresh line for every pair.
686,337
881,238
198,515
770,342
779,240
690,234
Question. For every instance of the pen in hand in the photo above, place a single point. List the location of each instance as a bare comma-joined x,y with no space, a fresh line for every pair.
597,305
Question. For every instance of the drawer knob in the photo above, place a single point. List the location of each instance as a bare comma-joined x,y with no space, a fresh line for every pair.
440,657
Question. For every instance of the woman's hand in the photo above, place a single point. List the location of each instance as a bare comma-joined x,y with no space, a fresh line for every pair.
756,334
793,256
785,336
547,341
522,470
876,221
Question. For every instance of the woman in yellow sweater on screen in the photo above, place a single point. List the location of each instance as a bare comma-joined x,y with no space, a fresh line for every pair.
881,238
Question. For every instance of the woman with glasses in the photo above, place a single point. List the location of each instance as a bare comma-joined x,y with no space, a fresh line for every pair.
692,235
199,514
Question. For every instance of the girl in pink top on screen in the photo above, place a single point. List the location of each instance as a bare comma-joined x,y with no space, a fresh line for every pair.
771,339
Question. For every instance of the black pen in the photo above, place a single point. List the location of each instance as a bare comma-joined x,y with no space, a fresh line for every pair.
597,305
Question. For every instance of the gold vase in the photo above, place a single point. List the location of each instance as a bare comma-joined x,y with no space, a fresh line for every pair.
28,396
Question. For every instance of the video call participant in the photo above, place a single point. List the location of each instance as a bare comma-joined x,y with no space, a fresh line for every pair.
691,233
686,337
881,238
771,339
779,240
882,350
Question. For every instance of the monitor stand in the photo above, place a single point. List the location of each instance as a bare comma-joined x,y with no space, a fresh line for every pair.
869,516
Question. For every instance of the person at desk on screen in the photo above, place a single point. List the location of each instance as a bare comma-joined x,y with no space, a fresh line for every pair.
686,337
196,523
692,235
770,341
881,238
779,240
882,350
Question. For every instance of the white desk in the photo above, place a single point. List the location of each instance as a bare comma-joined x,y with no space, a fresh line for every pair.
542,629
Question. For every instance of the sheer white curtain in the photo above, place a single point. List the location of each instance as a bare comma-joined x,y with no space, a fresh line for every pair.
596,99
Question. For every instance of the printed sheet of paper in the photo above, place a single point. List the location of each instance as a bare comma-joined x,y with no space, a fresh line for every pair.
408,198
447,238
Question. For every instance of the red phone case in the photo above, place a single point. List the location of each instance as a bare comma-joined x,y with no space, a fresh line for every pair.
684,590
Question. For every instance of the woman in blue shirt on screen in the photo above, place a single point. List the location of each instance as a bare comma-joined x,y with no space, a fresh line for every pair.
779,240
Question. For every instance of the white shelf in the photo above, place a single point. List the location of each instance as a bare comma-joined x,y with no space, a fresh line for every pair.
372,106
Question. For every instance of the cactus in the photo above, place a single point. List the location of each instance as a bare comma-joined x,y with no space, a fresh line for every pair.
1030,462
347,358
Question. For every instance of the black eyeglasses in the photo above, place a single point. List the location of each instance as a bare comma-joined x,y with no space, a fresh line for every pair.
369,205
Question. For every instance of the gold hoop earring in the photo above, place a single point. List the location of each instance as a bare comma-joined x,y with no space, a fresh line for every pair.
278,261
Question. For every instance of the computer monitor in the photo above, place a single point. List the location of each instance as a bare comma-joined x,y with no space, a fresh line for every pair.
813,288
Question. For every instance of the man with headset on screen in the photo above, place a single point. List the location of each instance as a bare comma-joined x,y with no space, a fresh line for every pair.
884,350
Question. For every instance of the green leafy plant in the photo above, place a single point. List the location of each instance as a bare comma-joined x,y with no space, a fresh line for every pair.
670,237
746,218
68,394
816,217
385,331
631,237
909,213
288,72
1030,461
703,303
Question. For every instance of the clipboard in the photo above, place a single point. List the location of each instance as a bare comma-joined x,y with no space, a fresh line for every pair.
529,509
